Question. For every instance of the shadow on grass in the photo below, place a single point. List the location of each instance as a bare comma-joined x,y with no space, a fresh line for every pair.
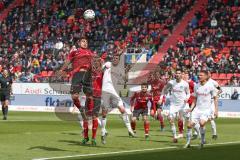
72,134
78,143
46,148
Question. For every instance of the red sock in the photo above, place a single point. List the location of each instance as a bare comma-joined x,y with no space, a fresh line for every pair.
94,128
77,103
85,129
180,126
133,125
160,118
90,105
146,127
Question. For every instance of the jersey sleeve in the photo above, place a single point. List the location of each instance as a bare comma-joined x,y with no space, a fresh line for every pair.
71,55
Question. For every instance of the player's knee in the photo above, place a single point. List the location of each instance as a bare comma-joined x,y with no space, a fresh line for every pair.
189,125
202,123
122,109
134,119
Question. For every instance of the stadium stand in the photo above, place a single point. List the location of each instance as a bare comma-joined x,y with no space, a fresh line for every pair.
211,41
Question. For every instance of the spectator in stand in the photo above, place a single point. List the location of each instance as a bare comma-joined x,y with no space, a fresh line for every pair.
234,82
235,95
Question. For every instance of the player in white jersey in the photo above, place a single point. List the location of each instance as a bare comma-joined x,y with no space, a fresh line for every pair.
201,106
113,73
219,90
179,96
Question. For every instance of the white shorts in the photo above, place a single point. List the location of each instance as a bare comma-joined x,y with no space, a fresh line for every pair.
111,101
176,111
200,115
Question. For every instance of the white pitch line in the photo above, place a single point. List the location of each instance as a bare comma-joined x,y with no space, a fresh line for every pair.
107,153
130,151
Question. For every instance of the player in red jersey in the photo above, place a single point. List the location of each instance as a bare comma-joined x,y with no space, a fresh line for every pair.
139,107
97,76
157,84
81,61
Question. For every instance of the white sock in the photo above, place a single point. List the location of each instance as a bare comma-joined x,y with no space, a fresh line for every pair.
80,120
189,135
99,123
214,128
197,129
103,122
202,131
174,131
127,122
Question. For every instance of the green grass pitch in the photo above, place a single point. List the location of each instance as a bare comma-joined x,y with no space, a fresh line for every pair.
31,135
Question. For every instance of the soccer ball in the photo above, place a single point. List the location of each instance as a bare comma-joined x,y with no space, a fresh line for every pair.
89,15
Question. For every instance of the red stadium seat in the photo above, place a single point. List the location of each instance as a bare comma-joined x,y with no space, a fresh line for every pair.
151,26
214,75
229,75
44,73
234,9
229,43
222,76
157,26
237,43
50,73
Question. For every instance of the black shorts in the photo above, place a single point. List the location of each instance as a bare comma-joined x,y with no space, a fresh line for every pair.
138,112
81,81
159,106
4,95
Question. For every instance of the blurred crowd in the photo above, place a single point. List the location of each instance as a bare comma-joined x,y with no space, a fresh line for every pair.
38,35
204,43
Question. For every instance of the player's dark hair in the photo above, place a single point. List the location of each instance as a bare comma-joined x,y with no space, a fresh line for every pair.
144,84
81,38
178,70
204,71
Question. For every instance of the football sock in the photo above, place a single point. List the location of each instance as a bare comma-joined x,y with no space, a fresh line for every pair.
161,120
146,127
180,126
214,128
85,129
202,131
174,132
80,120
197,129
94,128
126,121
133,125
103,122
189,135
